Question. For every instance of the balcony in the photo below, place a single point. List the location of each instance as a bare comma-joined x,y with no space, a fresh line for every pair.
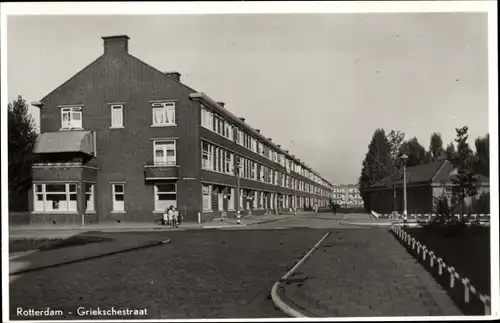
161,171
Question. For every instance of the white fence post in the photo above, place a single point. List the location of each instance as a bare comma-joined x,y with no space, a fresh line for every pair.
440,264
465,281
451,270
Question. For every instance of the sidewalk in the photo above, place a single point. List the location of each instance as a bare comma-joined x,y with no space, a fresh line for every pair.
34,231
360,275
36,259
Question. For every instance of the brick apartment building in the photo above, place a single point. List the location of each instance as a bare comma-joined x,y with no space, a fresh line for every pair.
121,141
347,195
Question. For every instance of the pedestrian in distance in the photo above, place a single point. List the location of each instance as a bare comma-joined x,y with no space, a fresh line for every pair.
165,217
175,223
179,218
170,214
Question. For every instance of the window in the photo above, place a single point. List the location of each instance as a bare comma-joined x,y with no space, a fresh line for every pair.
207,197
55,198
164,152
165,196
163,114
205,156
229,163
89,197
71,118
117,116
230,200
207,119
118,197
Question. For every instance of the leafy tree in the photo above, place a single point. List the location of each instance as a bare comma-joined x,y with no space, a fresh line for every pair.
464,179
436,150
22,138
417,154
376,164
450,152
482,162
395,139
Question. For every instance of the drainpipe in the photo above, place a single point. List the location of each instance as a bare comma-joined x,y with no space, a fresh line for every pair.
81,206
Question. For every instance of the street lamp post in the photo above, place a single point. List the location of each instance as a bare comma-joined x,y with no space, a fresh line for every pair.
405,210
238,206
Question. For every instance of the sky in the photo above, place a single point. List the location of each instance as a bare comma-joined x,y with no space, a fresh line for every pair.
318,84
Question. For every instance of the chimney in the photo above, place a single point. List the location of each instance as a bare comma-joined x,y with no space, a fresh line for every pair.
176,76
258,130
287,151
242,119
116,44
222,104
279,146
270,139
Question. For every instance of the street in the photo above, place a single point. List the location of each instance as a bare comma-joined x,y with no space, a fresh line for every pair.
214,273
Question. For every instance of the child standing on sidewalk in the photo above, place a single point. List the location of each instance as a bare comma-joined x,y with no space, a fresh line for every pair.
170,214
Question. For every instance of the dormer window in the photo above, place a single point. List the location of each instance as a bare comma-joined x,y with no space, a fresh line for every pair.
71,118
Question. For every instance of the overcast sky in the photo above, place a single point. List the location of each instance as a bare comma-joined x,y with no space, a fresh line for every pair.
319,85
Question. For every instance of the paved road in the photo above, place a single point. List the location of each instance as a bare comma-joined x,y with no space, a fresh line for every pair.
216,273
201,274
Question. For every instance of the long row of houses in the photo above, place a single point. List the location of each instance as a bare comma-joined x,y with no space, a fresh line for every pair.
121,141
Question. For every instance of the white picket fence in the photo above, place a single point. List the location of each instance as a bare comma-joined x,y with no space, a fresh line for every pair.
480,218
443,269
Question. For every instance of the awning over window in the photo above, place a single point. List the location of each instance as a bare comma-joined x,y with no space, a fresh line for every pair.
65,142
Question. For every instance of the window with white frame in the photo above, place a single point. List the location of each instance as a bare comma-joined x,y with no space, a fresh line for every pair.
230,199
207,197
164,152
165,196
118,191
55,197
71,118
229,162
206,157
116,116
207,119
164,114
89,197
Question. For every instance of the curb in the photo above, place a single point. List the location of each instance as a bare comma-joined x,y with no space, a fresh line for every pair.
224,226
147,245
366,224
277,300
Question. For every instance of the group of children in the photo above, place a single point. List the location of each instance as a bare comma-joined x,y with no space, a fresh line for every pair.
171,217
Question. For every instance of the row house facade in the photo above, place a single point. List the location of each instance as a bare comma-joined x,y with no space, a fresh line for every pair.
121,141
347,195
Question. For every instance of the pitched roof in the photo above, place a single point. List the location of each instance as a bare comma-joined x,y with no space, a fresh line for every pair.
415,174
434,172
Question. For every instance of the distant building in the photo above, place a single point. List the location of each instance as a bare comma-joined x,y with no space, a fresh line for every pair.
425,185
347,195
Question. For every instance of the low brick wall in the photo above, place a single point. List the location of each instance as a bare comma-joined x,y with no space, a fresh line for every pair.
467,298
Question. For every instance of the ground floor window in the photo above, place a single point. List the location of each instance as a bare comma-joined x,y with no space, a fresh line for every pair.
89,197
165,196
230,200
60,197
207,197
118,197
